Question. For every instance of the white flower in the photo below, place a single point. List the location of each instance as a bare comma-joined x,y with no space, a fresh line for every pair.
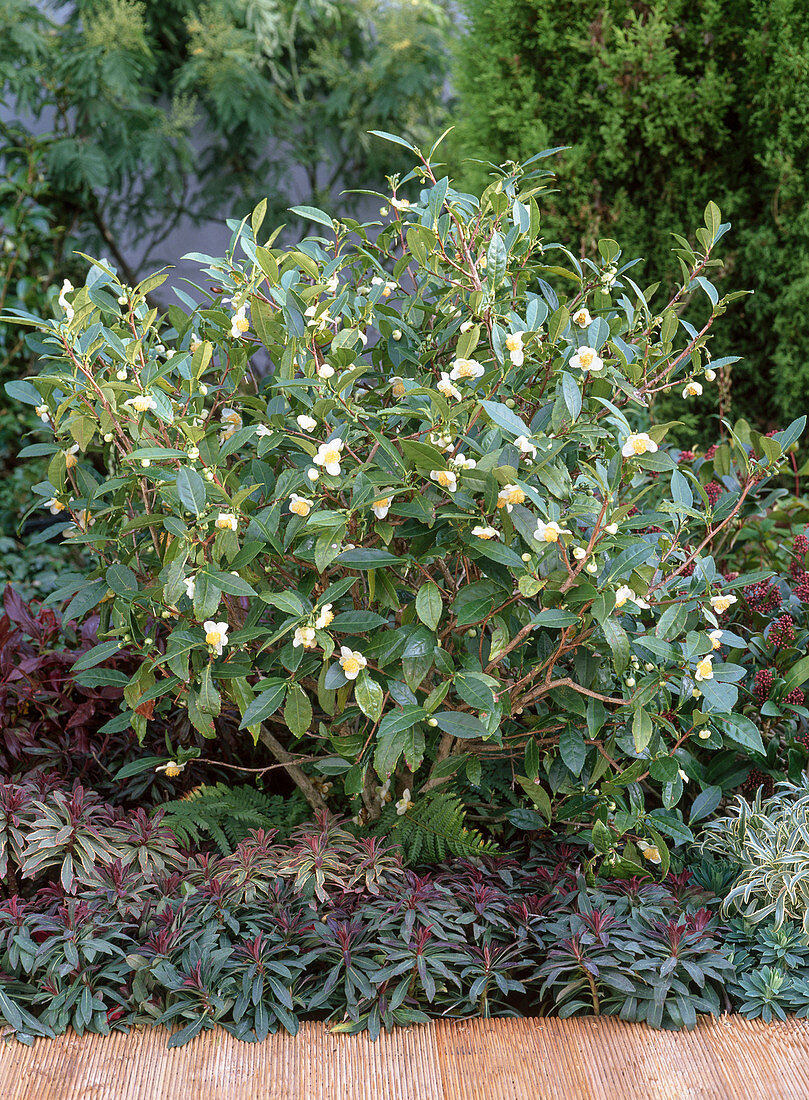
397,334
67,288
325,618
381,507
611,528
446,387
719,604
190,586
231,422
328,456
325,370
195,342
263,430
526,446
142,403
388,287
398,387
299,505
193,453
306,423
121,374
447,479
582,317
173,767
44,415
579,553
515,348
226,521
608,278
312,473
70,456
332,283
466,368
54,506
351,662
715,637
685,778
625,593
710,375
508,496
216,636
462,462
587,359
592,566
400,204
404,803
485,532
549,532
239,323
693,389
704,669
639,443
304,636
466,325
650,851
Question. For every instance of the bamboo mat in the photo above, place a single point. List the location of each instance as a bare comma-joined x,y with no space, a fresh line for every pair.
538,1059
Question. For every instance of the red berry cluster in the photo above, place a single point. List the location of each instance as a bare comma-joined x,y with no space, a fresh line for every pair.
713,491
731,576
763,684
795,698
686,456
801,587
803,739
763,596
711,451
800,546
782,632
689,570
758,779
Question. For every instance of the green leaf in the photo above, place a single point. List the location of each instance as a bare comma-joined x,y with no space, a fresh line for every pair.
460,724
642,729
505,418
705,803
557,323
313,214
264,704
618,642
96,655
554,618
122,581
356,622
797,675
572,749
429,604
368,559
538,795
209,698
369,696
496,260
474,690
298,710
392,737
191,490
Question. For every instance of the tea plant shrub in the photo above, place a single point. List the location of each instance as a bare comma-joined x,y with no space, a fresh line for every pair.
664,105
439,525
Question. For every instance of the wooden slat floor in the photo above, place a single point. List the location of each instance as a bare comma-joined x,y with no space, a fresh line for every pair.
547,1059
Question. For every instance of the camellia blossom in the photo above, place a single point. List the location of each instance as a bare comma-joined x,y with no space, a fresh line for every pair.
715,637
719,604
216,636
263,430
388,287
649,851
171,769
525,445
514,347
639,443
398,386
351,662
226,521
328,455
693,389
624,593
239,322
299,505
190,586
447,479
579,553
510,495
70,456
325,370
381,507
304,636
404,803
587,359
54,506
710,375
67,288
231,422
611,528
325,617
704,669
306,423
441,440
549,532
142,403
466,368
460,460
445,386
485,532
582,317
400,204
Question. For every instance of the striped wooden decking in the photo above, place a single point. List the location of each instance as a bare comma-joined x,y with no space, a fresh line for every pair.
547,1059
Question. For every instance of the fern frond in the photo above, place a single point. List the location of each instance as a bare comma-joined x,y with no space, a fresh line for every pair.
225,815
433,829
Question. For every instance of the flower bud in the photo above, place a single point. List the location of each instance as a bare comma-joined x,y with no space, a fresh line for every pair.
203,389
525,557
209,475
145,462
397,334
510,402
108,437
630,681
312,473
432,722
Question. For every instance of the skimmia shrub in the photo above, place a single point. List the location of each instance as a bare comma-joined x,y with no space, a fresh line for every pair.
393,494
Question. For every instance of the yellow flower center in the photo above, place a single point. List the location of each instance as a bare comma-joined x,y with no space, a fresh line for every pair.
70,460
516,496
213,637
443,479
331,455
383,503
171,770
465,368
513,343
242,324
551,534
350,665
300,507
639,445
57,506
399,390
586,356
722,603
704,668
651,853
326,619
